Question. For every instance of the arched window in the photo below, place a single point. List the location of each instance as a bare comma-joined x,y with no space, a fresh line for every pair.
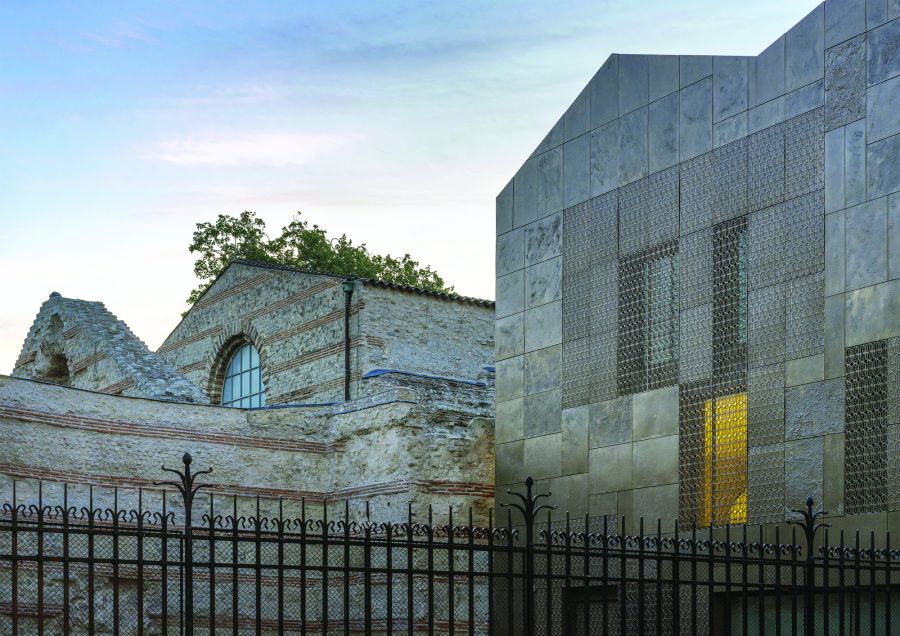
243,386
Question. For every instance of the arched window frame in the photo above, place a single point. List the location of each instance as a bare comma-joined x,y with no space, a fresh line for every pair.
220,367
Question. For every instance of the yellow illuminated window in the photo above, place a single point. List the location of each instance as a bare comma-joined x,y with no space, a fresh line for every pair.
724,492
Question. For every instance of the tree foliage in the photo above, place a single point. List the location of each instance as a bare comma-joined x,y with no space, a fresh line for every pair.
299,245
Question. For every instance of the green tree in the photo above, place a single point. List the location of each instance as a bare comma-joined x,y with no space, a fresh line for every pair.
299,245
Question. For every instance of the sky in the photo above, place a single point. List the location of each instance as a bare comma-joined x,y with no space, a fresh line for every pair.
124,124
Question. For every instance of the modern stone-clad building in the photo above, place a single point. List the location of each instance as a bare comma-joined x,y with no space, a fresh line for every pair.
698,285
91,405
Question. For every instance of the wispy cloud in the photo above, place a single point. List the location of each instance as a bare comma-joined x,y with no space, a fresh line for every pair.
274,149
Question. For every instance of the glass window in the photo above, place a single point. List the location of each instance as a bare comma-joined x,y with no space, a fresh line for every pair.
243,387
661,310
724,478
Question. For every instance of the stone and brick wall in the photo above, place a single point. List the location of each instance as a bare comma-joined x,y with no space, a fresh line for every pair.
296,321
784,167
434,441
81,344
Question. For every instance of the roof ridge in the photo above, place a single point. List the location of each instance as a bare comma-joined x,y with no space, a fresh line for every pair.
369,281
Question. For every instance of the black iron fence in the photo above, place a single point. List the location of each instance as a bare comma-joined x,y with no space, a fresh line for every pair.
90,570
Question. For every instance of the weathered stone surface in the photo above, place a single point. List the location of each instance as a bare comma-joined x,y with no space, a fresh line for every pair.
543,239
542,456
610,468
510,382
543,282
425,431
845,83
525,194
550,182
577,170
696,119
655,413
543,413
883,52
79,343
883,110
814,409
633,82
866,241
804,370
894,236
656,502
803,473
633,157
663,133
574,445
605,93
543,326
663,75
655,461
577,119
855,162
695,68
767,74
510,336
510,252
767,114
804,50
542,369
605,158
844,19
510,293
871,313
505,209
833,488
729,86
611,422
731,129
883,167
510,424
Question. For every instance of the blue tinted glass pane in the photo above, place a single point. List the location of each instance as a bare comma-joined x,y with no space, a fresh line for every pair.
245,403
254,401
245,357
245,384
254,357
226,392
254,381
236,387
231,366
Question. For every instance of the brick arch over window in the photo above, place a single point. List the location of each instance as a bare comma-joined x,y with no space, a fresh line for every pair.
232,338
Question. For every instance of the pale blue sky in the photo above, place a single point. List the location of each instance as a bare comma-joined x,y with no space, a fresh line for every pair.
124,124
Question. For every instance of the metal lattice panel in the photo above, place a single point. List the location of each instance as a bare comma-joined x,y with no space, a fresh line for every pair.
893,485
805,315
713,455
578,249
766,326
695,361
893,380
605,381
662,206
647,346
633,218
577,373
604,295
698,193
765,168
730,295
766,484
730,169
865,446
576,304
765,404
690,449
695,259
766,247
804,153
804,226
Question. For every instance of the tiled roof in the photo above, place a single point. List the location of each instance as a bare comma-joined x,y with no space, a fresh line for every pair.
371,281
